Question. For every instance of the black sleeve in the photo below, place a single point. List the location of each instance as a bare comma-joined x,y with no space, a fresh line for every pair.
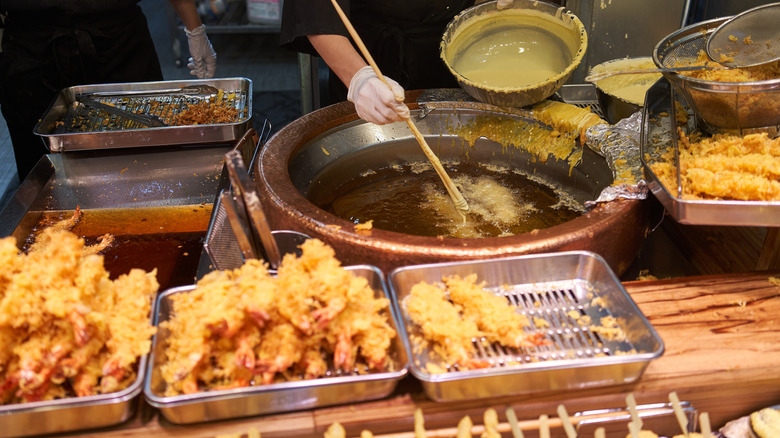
301,18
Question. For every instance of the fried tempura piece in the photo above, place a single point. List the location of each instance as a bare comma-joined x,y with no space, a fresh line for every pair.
361,326
314,283
441,323
67,328
246,327
724,166
495,317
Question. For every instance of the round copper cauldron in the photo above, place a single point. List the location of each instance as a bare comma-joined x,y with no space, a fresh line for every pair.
322,149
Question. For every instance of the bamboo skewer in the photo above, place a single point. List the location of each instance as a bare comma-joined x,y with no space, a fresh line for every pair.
636,423
511,418
544,426
678,412
452,190
566,422
706,428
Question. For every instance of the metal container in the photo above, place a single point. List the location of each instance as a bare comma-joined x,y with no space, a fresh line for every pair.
614,107
56,124
294,159
736,107
562,24
548,287
75,413
659,134
335,388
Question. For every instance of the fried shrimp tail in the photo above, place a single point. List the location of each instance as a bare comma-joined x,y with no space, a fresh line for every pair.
68,330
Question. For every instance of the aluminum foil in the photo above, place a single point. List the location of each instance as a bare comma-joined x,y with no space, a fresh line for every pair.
619,144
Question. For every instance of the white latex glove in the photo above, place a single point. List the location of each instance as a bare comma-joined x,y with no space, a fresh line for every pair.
500,4
203,61
373,100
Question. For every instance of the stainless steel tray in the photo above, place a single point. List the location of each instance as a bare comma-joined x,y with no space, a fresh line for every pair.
55,125
659,134
546,286
75,413
335,388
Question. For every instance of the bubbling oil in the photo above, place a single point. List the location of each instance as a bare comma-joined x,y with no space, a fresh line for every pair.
411,199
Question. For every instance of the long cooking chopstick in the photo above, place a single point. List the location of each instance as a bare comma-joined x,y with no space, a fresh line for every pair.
457,197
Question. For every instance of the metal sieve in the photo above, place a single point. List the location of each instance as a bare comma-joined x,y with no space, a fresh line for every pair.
736,107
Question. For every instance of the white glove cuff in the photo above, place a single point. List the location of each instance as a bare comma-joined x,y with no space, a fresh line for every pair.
360,77
198,31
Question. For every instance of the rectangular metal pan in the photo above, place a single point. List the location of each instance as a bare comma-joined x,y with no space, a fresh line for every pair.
659,134
75,413
549,287
279,397
54,126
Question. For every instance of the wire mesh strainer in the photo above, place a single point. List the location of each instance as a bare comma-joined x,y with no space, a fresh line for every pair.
738,107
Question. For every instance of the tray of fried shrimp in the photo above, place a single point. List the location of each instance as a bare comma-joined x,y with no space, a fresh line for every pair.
74,343
520,325
249,341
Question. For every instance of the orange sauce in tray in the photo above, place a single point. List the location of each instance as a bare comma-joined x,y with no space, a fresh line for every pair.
168,238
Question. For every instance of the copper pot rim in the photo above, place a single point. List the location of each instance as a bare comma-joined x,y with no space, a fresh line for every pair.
280,194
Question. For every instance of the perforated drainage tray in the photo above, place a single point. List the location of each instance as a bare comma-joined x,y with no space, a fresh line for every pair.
589,330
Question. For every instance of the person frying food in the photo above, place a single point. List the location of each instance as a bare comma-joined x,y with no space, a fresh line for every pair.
49,45
403,37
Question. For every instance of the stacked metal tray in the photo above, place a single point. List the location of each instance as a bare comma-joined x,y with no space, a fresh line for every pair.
67,125
334,388
659,135
548,287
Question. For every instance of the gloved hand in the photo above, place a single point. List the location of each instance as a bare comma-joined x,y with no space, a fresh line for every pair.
373,100
203,61
503,4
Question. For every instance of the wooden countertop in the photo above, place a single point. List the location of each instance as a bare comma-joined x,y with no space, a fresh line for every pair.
722,354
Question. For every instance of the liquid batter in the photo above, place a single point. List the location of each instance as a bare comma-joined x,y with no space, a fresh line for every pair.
511,57
629,87
513,49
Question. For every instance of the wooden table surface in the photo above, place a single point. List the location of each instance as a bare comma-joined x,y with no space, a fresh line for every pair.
722,354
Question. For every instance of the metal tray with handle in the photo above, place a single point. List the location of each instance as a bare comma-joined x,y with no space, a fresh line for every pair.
70,125
568,297
659,135
334,388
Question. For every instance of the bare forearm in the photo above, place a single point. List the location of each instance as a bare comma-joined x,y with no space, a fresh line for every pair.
339,54
187,12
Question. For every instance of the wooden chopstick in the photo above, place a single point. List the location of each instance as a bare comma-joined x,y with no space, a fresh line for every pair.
457,197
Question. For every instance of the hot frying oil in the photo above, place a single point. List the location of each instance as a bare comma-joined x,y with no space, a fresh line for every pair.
169,239
411,199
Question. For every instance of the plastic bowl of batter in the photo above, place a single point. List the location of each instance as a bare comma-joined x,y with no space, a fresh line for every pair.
514,57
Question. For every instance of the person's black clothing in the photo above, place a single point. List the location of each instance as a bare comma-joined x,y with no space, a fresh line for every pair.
403,36
61,44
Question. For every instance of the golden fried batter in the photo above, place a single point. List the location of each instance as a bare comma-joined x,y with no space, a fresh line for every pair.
246,327
455,315
206,112
724,166
441,323
498,320
67,329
